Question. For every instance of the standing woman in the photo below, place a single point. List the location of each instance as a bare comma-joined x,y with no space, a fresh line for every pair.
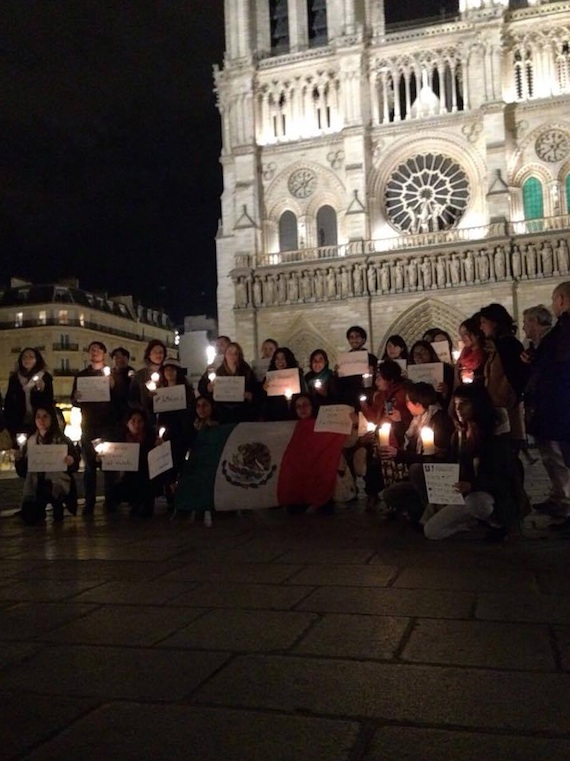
41,489
471,362
278,407
320,380
139,394
395,348
234,364
29,386
506,375
421,353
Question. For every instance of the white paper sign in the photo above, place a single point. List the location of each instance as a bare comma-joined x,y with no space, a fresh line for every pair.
362,425
281,381
441,348
93,388
429,372
352,363
260,368
159,460
403,364
334,418
170,398
47,458
120,455
229,388
440,479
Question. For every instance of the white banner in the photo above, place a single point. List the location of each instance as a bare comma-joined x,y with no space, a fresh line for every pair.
159,460
440,479
170,398
120,455
352,363
47,458
229,388
93,388
279,382
429,372
334,418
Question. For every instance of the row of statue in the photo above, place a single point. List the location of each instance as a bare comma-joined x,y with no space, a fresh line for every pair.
414,273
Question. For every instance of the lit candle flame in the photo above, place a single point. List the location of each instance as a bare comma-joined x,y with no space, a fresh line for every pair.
288,394
384,434
161,432
211,377
21,439
151,385
155,377
106,371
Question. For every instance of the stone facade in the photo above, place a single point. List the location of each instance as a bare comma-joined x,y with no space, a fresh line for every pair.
394,177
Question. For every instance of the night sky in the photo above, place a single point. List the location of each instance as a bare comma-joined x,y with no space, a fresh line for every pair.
109,144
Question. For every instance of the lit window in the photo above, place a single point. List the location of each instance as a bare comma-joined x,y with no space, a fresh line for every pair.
63,317
82,319
19,321
42,317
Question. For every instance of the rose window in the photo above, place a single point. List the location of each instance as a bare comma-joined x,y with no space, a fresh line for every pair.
427,193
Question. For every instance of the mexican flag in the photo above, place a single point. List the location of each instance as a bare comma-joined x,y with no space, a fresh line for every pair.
250,466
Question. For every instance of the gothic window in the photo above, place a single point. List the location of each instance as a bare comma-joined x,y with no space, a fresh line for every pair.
279,17
288,238
427,193
524,75
326,227
533,202
563,67
317,18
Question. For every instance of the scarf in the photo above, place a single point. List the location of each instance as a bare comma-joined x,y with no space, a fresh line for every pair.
415,427
28,384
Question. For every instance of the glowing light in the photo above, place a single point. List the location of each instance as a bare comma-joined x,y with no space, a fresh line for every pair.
161,432
210,354
21,439
428,440
155,377
384,434
288,394
211,377
106,371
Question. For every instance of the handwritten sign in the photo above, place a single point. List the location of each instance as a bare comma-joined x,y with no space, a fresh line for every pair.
229,388
352,363
441,348
334,418
440,479
403,364
281,381
260,368
429,372
120,455
93,388
159,460
47,458
170,398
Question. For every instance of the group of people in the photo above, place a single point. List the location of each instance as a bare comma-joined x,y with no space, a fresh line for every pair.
481,409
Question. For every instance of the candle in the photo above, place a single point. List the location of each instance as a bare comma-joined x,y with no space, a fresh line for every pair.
363,397
155,377
370,427
428,441
318,383
210,354
384,434
101,447
288,394
161,432
36,378
211,377
21,439
151,385
106,371
455,354
367,380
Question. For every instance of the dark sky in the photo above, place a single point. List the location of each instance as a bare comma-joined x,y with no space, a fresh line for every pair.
109,144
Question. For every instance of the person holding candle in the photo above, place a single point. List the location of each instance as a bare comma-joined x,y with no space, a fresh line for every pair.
41,489
351,388
321,382
145,381
29,386
121,372
471,361
421,353
427,436
279,407
489,478
214,362
96,420
234,364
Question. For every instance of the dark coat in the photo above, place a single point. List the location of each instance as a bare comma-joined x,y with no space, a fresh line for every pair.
551,377
15,403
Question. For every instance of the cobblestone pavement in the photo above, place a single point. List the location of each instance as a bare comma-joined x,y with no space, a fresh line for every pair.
270,636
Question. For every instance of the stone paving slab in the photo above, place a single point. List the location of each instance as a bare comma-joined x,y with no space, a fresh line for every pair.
352,636
134,592
478,643
466,579
344,575
48,590
136,732
456,697
242,631
130,625
532,608
410,744
233,573
28,621
101,570
29,720
227,595
390,602
328,556
12,652
562,637
112,673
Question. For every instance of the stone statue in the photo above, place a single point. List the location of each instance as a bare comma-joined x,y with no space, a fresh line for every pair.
455,270
257,292
530,258
344,283
546,254
425,267
440,271
469,267
307,286
384,278
484,269
331,284
412,274
399,276
371,279
500,263
562,257
282,288
269,290
292,288
241,293
320,285
516,262
357,279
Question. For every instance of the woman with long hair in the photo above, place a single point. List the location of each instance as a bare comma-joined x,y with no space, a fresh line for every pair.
234,365
321,380
29,387
278,407
422,352
140,395
395,348
471,360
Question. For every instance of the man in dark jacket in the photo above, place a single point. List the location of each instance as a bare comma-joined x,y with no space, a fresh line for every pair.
551,420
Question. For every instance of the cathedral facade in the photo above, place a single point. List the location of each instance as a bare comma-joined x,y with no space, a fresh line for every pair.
392,176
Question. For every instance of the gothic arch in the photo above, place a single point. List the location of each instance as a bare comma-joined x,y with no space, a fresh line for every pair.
425,314
329,188
518,157
305,341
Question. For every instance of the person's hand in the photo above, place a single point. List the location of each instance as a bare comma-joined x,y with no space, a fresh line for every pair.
442,389
395,416
248,396
68,460
463,487
40,384
112,380
526,358
388,453
76,396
